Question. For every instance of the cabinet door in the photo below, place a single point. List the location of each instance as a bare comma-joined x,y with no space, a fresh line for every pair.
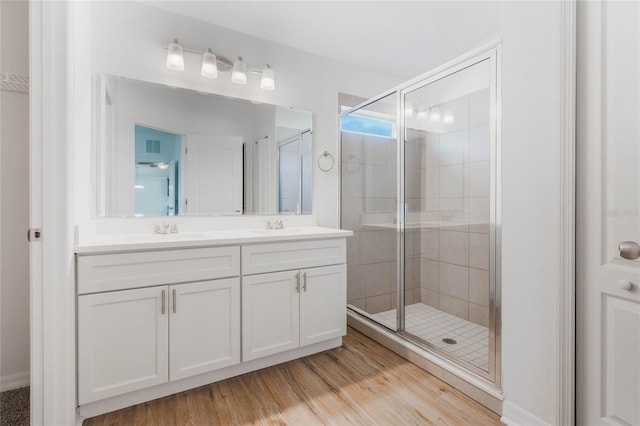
204,328
323,304
270,309
122,342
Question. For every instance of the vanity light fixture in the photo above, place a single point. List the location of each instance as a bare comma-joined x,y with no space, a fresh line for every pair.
175,56
239,73
267,82
209,65
212,64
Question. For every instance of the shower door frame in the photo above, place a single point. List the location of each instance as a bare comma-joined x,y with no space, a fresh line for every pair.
492,53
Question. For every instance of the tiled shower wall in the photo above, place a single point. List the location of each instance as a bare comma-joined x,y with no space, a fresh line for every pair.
447,194
453,239
369,209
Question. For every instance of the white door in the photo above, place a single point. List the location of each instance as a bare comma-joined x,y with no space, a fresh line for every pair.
270,314
204,327
213,175
122,342
608,213
323,304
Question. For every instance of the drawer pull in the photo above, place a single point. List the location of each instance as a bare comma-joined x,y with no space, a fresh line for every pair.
304,285
298,282
174,301
163,302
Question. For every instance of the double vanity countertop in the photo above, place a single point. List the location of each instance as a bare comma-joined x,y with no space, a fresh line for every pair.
111,243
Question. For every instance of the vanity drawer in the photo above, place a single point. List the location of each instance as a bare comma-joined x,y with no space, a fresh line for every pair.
107,272
260,258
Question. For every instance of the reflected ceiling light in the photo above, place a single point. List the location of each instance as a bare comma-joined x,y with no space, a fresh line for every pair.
434,114
422,114
162,165
408,109
447,118
175,56
239,73
267,82
209,65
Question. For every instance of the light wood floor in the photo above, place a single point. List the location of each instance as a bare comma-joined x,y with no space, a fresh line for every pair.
360,383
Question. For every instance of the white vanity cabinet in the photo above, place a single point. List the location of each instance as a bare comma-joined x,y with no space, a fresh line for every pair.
204,327
153,322
133,338
294,308
122,342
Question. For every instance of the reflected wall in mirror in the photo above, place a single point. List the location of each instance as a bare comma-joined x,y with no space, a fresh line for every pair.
171,151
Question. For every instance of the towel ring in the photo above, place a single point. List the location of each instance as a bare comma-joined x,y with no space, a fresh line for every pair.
330,158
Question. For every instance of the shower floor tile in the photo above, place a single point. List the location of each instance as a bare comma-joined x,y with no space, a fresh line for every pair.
433,325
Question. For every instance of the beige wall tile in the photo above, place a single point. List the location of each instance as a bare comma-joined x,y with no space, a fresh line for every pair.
429,274
377,279
379,246
355,249
355,282
429,297
479,314
479,147
376,304
454,247
479,286
479,251
429,243
454,281
457,307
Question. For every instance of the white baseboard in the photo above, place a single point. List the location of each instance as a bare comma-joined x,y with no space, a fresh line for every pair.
14,381
512,415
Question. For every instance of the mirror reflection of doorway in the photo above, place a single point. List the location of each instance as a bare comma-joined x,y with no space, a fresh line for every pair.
295,173
157,163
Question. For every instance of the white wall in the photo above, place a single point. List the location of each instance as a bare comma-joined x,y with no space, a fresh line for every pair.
129,39
14,200
531,201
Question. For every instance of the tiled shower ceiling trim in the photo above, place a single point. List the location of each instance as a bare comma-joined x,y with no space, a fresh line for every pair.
14,82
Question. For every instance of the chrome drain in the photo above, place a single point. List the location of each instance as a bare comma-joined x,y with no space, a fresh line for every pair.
449,341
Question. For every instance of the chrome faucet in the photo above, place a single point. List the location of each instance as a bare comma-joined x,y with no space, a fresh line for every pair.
165,229
267,224
279,224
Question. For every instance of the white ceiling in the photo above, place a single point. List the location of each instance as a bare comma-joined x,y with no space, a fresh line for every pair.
396,37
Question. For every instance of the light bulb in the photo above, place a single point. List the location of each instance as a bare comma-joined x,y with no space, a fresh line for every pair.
434,114
209,65
239,73
267,82
175,57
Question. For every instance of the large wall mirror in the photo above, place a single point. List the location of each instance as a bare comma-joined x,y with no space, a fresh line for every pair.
171,151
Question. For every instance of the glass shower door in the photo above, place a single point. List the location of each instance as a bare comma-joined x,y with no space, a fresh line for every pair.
449,243
369,208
